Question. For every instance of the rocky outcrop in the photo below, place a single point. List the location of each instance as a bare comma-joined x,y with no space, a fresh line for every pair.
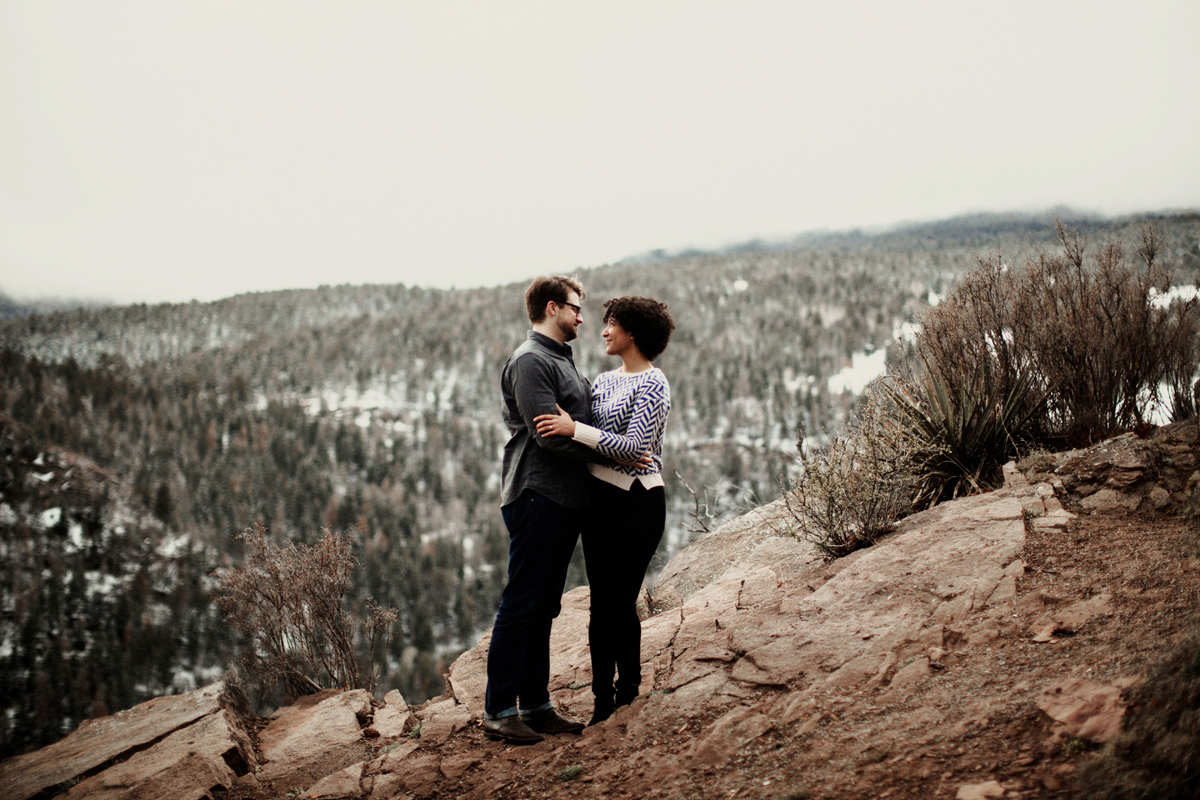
748,610
755,539
305,732
189,763
772,616
181,746
749,633
1121,474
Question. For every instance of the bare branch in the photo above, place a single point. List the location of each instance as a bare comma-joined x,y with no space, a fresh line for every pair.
288,601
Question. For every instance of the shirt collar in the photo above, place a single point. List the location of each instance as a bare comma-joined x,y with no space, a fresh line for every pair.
546,341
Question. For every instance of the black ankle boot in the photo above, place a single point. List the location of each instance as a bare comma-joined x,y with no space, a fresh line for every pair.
625,696
604,708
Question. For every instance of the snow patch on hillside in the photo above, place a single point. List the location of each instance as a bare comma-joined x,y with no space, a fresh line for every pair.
864,368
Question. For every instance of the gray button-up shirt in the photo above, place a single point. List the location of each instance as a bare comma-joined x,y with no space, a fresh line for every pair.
537,376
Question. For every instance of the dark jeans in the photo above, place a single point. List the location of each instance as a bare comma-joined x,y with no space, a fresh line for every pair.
542,536
619,539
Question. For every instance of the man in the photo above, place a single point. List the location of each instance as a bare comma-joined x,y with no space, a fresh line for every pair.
543,496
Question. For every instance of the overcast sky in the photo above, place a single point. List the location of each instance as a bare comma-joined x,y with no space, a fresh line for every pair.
155,151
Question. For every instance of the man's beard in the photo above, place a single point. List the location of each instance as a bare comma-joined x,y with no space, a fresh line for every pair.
568,329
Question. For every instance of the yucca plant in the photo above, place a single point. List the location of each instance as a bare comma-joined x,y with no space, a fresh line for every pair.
958,439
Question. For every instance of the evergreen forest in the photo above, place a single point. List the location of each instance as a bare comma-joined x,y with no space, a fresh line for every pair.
137,441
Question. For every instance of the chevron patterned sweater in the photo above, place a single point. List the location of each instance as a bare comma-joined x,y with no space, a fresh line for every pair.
630,415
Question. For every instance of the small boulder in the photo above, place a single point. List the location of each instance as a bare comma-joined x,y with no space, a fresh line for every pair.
1111,502
908,678
310,728
395,718
1160,498
342,785
1084,709
1073,616
726,736
979,791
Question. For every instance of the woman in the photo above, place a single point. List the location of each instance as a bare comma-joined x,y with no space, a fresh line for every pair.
629,407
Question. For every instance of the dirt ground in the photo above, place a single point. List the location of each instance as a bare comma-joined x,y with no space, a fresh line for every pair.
974,720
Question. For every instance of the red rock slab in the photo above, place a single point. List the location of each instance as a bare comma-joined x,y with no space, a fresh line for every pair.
186,765
570,664
659,632
98,741
726,736
781,662
709,556
301,735
443,724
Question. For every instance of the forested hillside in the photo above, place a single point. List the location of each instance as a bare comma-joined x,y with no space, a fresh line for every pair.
103,606
377,407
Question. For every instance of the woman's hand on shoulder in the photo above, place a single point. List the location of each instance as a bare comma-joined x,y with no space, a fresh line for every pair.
560,424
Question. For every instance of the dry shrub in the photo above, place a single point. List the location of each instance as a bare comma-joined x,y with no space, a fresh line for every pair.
856,489
1090,335
288,601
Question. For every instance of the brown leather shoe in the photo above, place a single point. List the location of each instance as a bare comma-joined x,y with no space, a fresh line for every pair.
511,729
549,720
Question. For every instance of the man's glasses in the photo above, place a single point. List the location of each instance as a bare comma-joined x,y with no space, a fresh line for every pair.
578,310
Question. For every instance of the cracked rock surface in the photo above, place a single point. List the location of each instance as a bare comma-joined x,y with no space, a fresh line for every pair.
978,651
190,742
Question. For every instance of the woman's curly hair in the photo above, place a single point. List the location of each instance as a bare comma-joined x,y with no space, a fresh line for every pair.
643,318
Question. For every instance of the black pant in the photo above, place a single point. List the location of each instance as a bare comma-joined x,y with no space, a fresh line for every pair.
619,539
542,537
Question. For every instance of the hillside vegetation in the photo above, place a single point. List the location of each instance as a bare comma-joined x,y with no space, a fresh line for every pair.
375,407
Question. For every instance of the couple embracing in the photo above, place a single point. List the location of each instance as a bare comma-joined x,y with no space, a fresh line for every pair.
584,460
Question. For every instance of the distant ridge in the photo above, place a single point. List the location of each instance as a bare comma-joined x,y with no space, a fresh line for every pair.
965,230
12,309
971,229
